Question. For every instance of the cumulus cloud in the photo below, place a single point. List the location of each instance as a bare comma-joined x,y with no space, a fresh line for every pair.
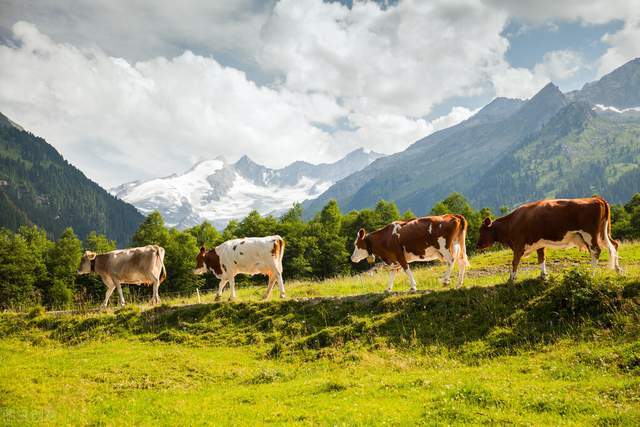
625,45
119,121
155,116
587,11
139,30
398,60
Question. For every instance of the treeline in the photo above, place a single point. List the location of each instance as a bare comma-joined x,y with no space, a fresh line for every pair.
35,270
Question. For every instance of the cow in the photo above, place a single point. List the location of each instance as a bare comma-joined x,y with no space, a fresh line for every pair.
555,223
422,239
140,266
249,255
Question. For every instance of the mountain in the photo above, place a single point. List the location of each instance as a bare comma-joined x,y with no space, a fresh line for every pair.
447,160
512,151
619,89
578,153
38,186
219,192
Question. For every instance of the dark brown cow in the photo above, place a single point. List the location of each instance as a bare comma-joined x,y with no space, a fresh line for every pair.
421,239
558,223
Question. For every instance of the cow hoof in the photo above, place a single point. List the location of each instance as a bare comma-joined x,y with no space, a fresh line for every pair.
232,298
388,291
413,290
446,284
217,298
283,296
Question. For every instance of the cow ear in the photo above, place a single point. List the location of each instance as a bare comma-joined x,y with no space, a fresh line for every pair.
361,233
90,255
486,222
202,249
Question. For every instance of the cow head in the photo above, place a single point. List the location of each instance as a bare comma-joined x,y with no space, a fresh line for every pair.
487,234
361,246
201,265
86,261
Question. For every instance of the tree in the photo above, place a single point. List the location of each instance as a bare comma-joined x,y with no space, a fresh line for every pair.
386,212
151,232
63,261
180,260
206,235
17,270
331,257
99,243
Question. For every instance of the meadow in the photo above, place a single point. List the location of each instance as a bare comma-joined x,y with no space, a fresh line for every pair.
564,351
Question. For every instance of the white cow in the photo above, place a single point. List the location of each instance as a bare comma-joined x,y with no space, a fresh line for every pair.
250,255
143,265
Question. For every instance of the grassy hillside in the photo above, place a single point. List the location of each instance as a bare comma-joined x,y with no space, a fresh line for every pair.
578,152
565,351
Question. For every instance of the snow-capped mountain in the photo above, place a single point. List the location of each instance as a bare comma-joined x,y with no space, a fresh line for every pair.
216,191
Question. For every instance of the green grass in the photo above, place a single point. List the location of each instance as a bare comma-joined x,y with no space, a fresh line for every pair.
560,352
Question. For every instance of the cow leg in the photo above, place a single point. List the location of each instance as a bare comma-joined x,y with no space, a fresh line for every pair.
221,285
120,295
156,294
517,254
412,280
232,285
542,263
462,267
281,285
595,251
449,259
270,285
613,252
110,289
392,276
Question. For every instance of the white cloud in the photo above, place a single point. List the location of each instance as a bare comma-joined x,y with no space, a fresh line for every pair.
388,133
118,121
625,46
559,65
139,30
396,61
587,11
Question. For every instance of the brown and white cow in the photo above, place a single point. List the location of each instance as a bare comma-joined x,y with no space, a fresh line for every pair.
557,223
422,239
250,255
140,266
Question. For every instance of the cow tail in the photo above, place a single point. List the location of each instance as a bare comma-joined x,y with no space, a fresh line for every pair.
163,272
607,228
281,254
463,238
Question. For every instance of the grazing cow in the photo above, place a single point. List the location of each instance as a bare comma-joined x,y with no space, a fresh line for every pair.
250,255
140,266
560,223
421,239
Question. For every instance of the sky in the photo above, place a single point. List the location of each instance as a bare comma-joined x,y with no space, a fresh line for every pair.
129,90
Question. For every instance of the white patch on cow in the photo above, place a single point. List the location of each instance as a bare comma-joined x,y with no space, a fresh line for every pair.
430,227
449,259
571,239
358,253
200,270
396,230
430,254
